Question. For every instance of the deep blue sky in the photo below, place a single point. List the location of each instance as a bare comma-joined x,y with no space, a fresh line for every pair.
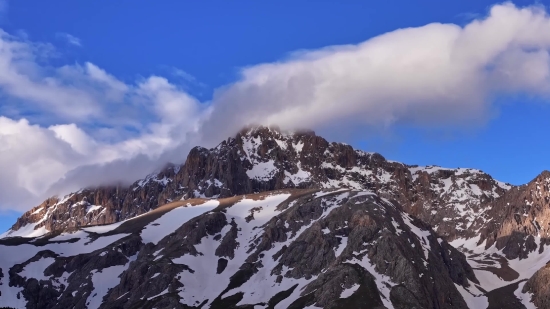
213,39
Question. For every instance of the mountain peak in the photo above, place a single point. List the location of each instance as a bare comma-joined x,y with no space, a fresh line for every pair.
543,176
260,159
272,131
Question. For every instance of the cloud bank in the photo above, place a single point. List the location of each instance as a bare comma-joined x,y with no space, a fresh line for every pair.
72,126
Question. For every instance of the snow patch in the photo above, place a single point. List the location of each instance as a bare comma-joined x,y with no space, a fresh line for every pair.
348,292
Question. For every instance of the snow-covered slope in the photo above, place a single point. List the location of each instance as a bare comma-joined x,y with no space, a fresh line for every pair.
283,249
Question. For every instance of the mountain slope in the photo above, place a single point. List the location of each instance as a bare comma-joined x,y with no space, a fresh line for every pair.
285,249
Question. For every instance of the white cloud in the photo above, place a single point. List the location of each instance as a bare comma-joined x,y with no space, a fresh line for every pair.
23,79
187,77
71,39
432,75
435,74
30,157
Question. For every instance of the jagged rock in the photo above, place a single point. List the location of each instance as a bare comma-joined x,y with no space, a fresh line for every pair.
519,217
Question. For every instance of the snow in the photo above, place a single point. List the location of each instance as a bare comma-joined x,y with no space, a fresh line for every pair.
262,285
152,177
63,280
37,211
488,280
91,208
27,231
421,234
263,170
469,243
298,146
204,282
160,294
529,266
298,177
170,221
333,166
324,193
428,169
282,144
343,244
65,236
36,269
104,280
382,281
503,185
101,229
476,190
398,230
348,292
249,147
473,300
65,199
22,253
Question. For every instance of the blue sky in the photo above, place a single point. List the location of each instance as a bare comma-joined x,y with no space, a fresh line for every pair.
144,54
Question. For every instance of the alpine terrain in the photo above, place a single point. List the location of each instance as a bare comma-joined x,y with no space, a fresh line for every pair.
272,219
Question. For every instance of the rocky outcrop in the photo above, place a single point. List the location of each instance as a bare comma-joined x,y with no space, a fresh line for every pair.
520,219
537,288
102,205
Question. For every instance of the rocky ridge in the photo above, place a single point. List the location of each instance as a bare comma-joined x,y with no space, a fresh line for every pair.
454,201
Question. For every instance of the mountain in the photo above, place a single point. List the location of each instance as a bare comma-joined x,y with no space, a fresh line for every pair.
270,219
264,159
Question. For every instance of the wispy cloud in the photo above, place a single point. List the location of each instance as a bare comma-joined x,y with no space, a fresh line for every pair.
69,38
185,76
468,16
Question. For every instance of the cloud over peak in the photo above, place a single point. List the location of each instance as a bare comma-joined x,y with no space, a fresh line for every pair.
101,128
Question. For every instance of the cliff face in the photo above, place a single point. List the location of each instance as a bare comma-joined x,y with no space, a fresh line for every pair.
262,159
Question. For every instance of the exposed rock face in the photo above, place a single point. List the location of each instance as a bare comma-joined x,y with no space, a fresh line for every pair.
538,289
285,249
98,206
454,201
521,219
